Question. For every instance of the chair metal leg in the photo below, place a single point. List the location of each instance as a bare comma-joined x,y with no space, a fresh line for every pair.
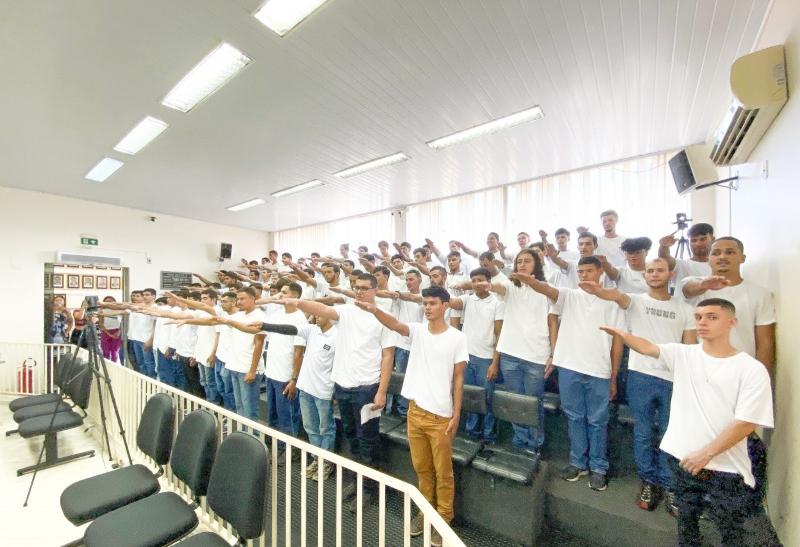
51,455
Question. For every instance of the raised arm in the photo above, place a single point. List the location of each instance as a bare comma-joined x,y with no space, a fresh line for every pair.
386,320
435,251
314,308
664,245
636,343
202,279
195,304
369,266
395,271
346,292
693,289
467,249
551,252
608,267
612,295
304,277
539,286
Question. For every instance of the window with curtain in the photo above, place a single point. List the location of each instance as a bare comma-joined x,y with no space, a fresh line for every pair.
325,238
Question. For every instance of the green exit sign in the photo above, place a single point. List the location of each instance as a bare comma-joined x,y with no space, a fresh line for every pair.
89,241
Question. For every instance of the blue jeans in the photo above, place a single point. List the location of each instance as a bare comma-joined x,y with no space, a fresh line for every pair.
144,358
400,365
246,395
166,371
584,400
475,375
318,420
527,378
649,398
222,376
208,380
284,413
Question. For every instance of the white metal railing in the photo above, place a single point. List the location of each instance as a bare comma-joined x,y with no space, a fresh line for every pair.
132,391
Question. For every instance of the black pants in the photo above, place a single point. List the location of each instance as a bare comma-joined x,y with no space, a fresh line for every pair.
727,500
192,374
130,355
364,439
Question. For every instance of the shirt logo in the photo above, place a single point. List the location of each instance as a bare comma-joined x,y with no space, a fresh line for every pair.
326,347
659,313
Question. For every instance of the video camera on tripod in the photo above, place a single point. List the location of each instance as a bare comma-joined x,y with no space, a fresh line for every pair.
682,222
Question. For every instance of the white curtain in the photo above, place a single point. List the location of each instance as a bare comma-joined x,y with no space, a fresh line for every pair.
325,238
641,190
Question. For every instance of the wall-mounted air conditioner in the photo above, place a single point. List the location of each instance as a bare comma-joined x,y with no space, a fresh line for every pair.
758,84
73,258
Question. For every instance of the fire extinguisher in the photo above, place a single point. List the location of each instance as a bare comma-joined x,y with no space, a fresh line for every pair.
25,376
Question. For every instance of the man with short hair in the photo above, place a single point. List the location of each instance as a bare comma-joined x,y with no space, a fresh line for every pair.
701,236
433,385
362,368
244,356
662,318
523,240
720,396
608,244
587,246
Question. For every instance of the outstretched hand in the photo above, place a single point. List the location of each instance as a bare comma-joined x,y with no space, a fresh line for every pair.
366,306
592,287
613,331
714,283
668,240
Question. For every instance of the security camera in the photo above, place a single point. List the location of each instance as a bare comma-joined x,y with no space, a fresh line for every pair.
152,219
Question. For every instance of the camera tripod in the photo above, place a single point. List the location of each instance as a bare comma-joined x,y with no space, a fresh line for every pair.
683,244
99,368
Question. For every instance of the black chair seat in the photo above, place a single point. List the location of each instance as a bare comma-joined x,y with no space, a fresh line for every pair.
157,520
33,400
516,465
389,422
40,425
465,450
88,499
624,415
206,539
40,410
551,401
399,434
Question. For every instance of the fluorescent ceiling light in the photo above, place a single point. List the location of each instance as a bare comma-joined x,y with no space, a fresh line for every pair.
281,16
246,205
141,135
104,169
535,113
210,74
370,165
297,188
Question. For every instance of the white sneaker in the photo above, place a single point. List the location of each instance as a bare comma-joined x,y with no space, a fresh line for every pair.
327,471
311,470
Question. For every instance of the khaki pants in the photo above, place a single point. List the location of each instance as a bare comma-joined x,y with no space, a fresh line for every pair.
431,454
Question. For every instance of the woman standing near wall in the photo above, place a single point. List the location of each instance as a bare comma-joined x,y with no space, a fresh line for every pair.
60,323
110,333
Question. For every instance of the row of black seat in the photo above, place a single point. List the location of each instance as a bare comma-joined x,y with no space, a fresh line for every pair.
501,461
48,414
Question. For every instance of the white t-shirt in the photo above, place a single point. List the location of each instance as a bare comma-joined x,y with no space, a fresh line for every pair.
205,337
172,330
397,283
280,355
631,281
661,322
384,304
478,317
186,335
360,343
140,326
609,247
315,372
224,344
708,394
690,268
570,279
429,376
162,330
239,352
308,291
581,345
323,287
406,312
754,307
111,322
524,334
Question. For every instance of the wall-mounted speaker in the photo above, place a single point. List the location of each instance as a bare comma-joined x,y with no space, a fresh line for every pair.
225,250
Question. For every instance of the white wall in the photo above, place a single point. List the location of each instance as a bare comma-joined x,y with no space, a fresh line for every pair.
765,215
34,226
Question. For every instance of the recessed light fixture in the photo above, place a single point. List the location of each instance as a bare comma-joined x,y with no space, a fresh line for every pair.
246,205
210,74
530,114
141,135
297,188
281,16
104,169
370,165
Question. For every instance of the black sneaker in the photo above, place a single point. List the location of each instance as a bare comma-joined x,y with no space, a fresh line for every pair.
368,497
598,481
349,491
571,473
670,504
648,496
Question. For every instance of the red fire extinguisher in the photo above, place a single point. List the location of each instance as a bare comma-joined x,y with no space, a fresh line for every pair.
25,376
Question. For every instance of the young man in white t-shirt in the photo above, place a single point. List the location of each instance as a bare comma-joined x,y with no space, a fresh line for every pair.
662,318
362,368
720,396
482,316
587,246
588,367
434,387
609,243
244,361
701,236
629,277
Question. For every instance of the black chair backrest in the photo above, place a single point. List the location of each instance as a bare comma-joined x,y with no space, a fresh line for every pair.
154,434
237,489
516,408
396,382
61,369
79,385
474,399
193,452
